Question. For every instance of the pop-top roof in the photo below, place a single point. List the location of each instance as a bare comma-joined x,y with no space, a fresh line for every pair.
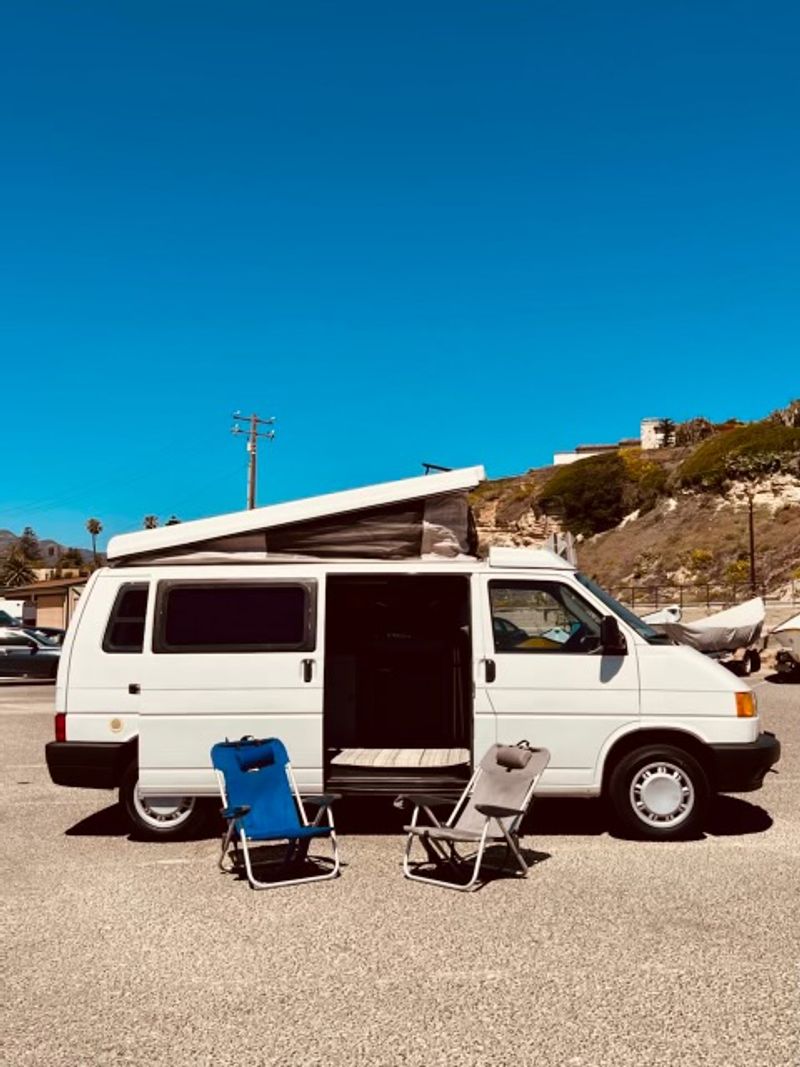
243,530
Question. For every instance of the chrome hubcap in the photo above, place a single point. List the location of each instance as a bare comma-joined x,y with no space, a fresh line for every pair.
662,794
163,811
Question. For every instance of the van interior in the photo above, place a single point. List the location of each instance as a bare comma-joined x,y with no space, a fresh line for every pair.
398,684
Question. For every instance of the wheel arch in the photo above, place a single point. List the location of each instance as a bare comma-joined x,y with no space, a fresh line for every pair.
628,742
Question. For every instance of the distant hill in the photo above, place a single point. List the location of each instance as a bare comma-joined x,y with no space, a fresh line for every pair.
50,550
668,515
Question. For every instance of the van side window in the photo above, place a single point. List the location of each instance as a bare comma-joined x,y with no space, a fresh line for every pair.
125,629
541,617
228,616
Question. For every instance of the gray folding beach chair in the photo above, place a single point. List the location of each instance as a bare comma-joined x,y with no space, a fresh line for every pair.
490,810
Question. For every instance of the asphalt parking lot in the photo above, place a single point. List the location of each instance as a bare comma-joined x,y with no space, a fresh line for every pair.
613,952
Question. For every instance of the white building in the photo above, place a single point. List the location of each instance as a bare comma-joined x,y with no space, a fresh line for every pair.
650,438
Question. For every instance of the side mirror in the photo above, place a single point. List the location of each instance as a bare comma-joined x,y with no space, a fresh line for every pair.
612,640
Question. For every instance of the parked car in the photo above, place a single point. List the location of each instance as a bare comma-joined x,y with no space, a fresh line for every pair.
27,652
17,623
52,632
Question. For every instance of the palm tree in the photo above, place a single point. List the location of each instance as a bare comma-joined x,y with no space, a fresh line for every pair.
150,522
15,570
94,526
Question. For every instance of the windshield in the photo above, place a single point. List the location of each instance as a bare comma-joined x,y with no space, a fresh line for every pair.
653,637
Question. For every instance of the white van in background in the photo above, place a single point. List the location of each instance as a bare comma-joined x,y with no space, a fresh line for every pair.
362,629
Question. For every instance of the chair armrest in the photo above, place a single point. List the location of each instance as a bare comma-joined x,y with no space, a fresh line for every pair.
322,803
493,811
423,800
235,813
324,800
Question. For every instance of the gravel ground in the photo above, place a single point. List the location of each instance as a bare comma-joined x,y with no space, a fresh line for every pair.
611,953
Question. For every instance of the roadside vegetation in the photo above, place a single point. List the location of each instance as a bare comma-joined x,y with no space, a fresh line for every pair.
685,504
596,494
713,463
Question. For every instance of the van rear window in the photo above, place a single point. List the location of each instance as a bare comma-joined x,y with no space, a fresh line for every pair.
234,617
125,629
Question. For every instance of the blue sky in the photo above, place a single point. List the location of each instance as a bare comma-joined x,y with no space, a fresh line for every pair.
448,232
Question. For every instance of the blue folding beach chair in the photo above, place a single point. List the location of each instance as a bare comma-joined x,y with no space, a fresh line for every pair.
261,803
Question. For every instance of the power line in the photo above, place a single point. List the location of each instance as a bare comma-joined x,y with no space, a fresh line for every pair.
254,435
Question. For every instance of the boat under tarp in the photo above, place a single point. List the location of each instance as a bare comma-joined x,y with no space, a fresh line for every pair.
725,631
670,613
788,634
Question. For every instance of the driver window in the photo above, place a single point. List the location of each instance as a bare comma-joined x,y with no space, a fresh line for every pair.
542,616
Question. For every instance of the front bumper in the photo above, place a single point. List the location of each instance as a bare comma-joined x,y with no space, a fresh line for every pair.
740,768
89,764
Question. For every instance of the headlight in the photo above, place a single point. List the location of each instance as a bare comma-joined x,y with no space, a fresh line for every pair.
746,707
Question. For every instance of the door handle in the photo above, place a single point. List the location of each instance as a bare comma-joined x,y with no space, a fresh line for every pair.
308,669
491,669
134,688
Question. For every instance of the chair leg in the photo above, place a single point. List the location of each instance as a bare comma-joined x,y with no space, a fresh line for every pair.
256,884
226,841
465,887
513,844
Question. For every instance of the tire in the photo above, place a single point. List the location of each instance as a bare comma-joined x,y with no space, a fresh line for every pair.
157,818
754,657
659,792
745,665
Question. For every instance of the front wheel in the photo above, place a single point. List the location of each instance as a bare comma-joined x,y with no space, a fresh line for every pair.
659,792
158,818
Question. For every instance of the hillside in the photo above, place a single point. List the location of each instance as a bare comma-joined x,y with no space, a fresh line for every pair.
676,514
50,550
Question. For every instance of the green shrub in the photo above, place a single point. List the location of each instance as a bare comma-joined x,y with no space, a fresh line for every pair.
738,571
588,496
596,493
708,466
700,560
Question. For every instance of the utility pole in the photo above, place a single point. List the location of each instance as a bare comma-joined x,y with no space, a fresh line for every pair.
752,532
254,434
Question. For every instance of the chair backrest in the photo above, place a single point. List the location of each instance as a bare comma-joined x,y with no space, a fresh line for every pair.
505,777
255,774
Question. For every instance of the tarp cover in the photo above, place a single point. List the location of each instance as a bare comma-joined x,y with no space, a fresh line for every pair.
788,634
725,631
434,528
670,613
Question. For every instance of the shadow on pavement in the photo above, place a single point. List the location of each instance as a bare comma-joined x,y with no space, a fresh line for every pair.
111,822
106,823
732,817
492,867
729,816
783,679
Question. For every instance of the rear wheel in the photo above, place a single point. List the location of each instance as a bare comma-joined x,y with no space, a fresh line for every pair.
158,818
660,792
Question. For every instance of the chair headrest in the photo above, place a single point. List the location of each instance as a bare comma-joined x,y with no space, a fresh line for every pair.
252,761
512,757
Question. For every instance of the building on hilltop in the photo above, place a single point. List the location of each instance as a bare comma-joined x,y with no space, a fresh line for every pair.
650,437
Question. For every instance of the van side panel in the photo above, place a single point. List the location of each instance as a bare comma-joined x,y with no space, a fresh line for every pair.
93,685
192,699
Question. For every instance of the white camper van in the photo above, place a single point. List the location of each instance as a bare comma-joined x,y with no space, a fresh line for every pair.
362,629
